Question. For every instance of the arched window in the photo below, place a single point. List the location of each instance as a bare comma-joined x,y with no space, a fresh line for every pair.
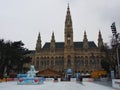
42,62
86,61
97,60
52,62
62,62
37,63
69,61
78,62
47,62
92,59
82,61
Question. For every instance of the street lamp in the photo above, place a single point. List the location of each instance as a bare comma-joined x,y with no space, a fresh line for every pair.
115,43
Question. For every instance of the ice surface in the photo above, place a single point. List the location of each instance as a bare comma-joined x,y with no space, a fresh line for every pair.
54,86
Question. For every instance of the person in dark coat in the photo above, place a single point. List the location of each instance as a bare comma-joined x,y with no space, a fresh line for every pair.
80,79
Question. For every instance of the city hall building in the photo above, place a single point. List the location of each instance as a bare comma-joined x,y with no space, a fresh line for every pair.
83,56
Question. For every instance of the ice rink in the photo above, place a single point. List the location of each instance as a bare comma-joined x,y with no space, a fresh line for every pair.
54,86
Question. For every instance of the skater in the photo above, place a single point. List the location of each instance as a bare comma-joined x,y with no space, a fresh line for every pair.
81,79
55,79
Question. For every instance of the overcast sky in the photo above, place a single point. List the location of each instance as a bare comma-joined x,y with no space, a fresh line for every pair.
24,19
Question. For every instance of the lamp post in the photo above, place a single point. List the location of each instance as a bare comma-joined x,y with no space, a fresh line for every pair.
115,42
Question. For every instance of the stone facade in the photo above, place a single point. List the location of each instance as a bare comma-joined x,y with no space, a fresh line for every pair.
83,57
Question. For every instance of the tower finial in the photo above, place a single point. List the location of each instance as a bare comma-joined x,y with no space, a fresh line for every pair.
53,37
38,44
52,45
68,4
68,8
85,40
100,40
84,32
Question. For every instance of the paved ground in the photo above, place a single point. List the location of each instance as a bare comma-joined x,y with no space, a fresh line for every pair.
55,86
105,83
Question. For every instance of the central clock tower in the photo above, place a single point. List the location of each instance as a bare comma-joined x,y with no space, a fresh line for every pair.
68,43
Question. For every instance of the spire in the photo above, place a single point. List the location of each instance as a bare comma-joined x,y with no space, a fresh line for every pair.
85,41
85,36
53,37
68,31
68,21
52,45
100,40
38,44
68,9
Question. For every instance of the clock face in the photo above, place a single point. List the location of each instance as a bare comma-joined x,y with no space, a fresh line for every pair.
68,38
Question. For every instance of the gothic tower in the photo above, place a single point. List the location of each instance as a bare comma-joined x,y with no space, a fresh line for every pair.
38,44
52,44
100,40
85,41
68,42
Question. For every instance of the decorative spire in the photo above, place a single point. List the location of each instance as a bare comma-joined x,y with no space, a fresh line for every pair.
100,40
85,36
39,36
68,21
53,37
68,9
85,41
68,31
68,4
52,45
38,44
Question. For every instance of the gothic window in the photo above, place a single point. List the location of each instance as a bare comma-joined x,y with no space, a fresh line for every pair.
97,60
86,61
92,59
56,61
95,63
82,61
52,62
47,62
33,62
37,63
44,60
41,62
62,63
59,61
69,61
77,62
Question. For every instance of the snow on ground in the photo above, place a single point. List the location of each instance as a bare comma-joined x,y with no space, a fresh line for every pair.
54,86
